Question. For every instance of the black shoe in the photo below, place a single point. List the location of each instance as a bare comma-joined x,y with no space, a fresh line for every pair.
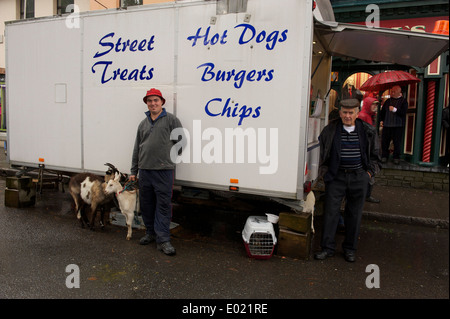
323,255
147,239
350,256
372,200
166,248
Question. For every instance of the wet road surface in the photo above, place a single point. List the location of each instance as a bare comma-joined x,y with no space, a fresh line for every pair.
38,243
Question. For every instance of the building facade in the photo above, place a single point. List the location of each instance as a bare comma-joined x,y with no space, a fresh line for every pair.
425,140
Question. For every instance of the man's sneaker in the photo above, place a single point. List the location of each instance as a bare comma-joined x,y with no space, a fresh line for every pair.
147,239
166,248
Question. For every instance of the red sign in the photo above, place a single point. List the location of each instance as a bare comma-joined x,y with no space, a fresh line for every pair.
415,24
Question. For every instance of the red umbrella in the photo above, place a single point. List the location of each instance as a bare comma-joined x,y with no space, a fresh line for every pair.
385,80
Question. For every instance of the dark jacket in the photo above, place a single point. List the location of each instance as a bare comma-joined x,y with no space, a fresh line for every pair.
153,143
330,152
394,119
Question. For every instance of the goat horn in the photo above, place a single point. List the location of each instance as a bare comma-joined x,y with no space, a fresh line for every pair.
112,166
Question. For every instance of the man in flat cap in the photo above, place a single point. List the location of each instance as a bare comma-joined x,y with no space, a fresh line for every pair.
349,157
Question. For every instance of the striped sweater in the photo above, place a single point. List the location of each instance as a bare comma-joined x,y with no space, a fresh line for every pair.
350,151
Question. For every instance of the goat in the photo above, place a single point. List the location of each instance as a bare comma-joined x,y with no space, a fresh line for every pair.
309,207
110,174
87,188
128,200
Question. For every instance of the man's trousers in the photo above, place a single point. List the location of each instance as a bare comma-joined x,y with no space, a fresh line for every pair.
396,135
155,199
353,186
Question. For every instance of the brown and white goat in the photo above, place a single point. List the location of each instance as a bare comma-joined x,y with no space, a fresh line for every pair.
87,188
128,200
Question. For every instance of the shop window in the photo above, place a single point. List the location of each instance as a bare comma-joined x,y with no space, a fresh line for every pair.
26,9
64,6
129,3
350,88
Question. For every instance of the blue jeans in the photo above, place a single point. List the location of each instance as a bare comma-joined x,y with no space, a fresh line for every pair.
155,198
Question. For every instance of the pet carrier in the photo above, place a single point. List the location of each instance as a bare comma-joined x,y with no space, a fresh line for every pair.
259,237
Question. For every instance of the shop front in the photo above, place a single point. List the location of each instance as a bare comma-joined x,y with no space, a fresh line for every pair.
424,138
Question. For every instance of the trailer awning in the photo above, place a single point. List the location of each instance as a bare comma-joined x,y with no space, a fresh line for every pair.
380,44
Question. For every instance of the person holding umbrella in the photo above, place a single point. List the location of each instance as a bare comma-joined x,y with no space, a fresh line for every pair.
393,114
392,120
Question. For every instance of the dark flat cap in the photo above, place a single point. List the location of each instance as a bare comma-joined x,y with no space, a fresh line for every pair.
349,103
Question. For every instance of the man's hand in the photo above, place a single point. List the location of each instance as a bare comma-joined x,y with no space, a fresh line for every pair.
132,178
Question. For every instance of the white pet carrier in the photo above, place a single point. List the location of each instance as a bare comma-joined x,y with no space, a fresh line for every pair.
259,237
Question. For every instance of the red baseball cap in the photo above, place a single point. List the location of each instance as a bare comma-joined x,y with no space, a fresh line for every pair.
154,92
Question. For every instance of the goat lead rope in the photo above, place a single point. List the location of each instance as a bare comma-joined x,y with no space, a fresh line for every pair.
127,186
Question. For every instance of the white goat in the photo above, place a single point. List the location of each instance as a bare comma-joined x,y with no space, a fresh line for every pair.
128,200
309,207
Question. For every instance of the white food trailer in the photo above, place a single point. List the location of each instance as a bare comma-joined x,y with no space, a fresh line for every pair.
241,78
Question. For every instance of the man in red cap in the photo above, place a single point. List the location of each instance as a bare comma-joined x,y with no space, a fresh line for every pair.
151,160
